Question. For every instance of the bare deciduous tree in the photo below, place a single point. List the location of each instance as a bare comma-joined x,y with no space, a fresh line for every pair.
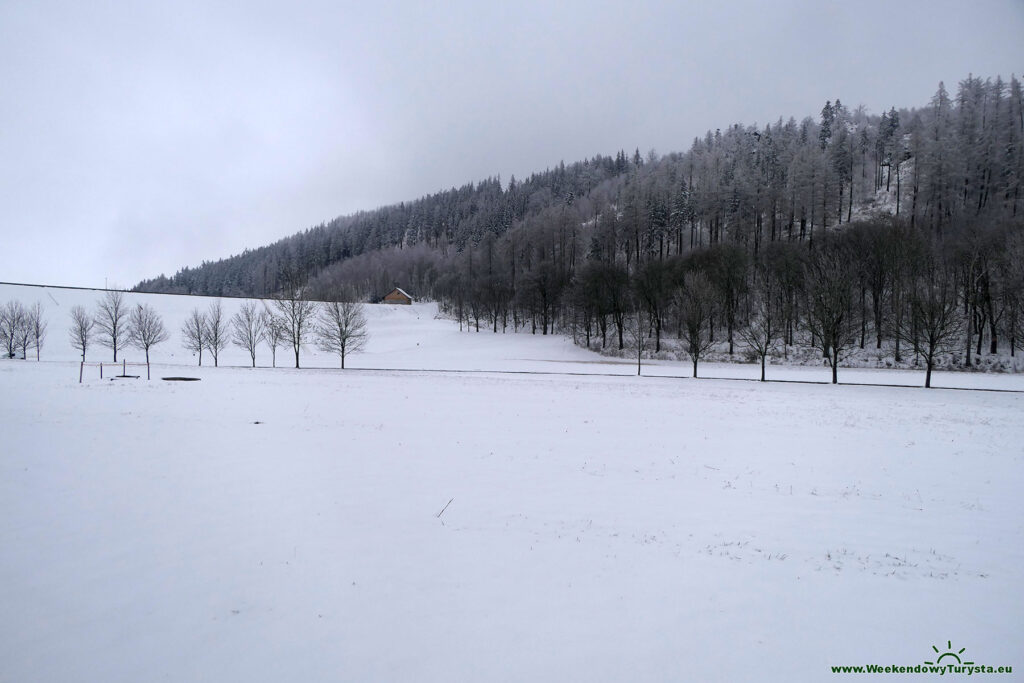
274,334
638,332
762,334
193,333
248,328
933,322
216,336
695,301
146,330
111,320
831,314
24,333
80,332
37,327
12,324
341,328
296,316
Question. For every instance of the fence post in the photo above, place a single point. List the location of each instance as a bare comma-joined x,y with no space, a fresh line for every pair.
124,366
101,369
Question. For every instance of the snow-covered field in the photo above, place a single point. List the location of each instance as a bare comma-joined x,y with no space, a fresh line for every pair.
274,524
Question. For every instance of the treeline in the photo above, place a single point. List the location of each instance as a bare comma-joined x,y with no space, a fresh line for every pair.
880,283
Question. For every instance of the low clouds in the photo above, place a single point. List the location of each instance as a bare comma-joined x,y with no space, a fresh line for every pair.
138,139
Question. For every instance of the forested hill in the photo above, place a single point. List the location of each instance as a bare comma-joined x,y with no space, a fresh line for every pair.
441,221
957,158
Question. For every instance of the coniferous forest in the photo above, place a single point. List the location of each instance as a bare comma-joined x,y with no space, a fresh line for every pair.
902,230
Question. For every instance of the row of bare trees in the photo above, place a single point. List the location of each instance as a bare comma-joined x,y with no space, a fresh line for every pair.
883,283
21,328
116,326
289,321
336,326
931,320
293,320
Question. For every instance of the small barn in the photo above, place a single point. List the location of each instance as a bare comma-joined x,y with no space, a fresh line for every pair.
398,296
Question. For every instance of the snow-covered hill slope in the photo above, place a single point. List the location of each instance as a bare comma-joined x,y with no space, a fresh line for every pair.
417,338
400,336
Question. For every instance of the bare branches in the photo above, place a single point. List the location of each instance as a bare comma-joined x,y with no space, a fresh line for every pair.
37,327
146,328
274,333
763,332
341,328
81,331
296,317
13,318
830,313
249,328
193,333
695,301
21,329
111,320
933,322
216,333
638,332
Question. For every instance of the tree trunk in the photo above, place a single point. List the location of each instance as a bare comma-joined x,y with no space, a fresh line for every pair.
980,327
863,316
970,332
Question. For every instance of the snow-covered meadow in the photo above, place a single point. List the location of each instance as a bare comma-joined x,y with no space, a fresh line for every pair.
397,524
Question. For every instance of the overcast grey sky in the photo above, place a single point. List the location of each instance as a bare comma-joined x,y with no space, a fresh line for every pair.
137,138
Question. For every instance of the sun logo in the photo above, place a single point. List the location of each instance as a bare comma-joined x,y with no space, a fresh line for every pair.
949,653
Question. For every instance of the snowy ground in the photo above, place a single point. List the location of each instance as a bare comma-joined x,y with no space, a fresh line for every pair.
275,524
